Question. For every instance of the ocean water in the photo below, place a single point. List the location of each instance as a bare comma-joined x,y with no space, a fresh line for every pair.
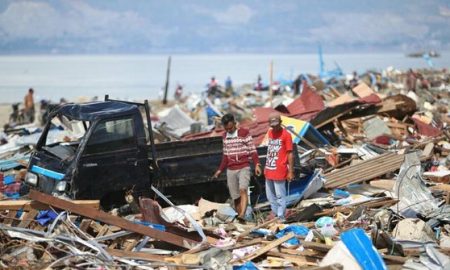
143,76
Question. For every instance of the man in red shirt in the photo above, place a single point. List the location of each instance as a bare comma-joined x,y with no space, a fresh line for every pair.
279,165
238,149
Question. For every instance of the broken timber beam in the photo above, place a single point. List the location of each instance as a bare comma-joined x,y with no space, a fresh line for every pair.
316,246
295,259
111,220
266,248
135,255
28,205
248,231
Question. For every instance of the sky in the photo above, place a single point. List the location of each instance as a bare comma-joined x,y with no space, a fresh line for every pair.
213,26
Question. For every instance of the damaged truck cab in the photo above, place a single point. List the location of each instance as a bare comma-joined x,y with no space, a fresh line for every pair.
101,153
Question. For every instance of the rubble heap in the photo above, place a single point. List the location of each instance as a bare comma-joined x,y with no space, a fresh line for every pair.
378,194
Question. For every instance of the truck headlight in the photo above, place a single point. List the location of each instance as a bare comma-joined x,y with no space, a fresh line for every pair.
31,179
61,186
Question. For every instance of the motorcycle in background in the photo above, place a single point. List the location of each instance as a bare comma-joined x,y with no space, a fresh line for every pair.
17,117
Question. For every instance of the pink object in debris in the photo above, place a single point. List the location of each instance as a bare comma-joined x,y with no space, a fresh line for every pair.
15,187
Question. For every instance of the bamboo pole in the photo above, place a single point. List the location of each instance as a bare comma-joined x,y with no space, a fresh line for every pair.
166,89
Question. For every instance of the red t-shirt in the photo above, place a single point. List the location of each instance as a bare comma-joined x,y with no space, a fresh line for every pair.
279,144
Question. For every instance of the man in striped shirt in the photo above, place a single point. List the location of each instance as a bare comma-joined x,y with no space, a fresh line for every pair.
238,149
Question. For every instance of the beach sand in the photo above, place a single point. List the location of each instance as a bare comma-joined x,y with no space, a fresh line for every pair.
5,111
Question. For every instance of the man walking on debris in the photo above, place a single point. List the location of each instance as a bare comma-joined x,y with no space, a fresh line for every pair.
238,148
279,165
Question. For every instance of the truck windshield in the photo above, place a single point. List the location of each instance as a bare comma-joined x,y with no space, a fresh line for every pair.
64,130
112,135
63,137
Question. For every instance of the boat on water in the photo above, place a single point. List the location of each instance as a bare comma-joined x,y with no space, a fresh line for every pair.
430,53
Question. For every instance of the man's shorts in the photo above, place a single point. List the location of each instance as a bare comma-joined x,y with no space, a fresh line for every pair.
237,180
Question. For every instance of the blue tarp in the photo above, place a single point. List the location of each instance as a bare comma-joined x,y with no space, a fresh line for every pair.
298,230
152,225
46,216
245,266
9,179
360,246
8,164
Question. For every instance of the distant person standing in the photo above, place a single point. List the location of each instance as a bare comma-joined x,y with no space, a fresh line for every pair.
296,85
29,106
229,86
411,80
279,165
354,81
178,92
259,85
212,87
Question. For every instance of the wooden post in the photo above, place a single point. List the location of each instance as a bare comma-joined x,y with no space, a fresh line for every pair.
166,89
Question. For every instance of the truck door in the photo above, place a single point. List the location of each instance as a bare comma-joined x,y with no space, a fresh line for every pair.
110,162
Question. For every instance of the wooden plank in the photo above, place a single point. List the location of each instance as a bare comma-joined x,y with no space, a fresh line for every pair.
252,242
295,259
130,244
110,219
395,259
336,117
27,218
335,266
102,231
96,227
340,164
316,246
305,252
136,255
262,225
386,184
334,92
428,150
10,217
27,204
266,248
362,90
399,125
85,223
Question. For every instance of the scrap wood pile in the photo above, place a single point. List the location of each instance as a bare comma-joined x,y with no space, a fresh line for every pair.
379,199
345,231
399,222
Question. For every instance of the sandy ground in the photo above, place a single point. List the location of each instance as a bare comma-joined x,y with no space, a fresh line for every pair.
5,111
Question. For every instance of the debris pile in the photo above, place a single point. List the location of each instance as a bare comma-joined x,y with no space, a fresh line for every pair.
372,192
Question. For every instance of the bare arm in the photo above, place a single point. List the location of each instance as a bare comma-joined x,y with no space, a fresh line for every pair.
290,176
223,166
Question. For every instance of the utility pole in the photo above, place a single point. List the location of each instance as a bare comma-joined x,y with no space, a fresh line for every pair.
167,81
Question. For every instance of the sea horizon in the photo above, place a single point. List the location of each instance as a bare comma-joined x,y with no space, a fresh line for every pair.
143,76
